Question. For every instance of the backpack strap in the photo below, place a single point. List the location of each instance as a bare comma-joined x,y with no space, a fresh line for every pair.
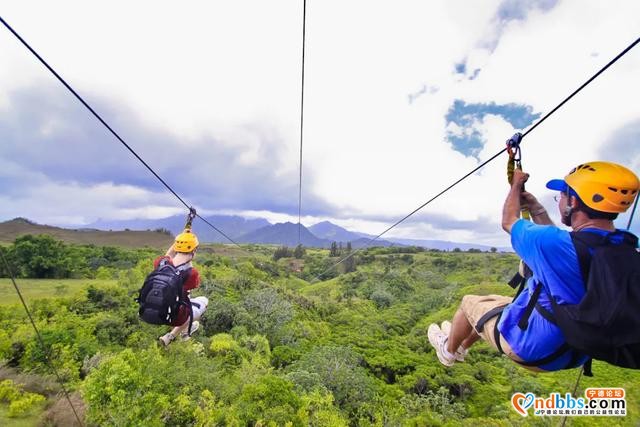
523,323
584,242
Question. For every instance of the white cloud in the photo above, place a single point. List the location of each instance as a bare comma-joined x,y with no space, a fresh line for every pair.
231,70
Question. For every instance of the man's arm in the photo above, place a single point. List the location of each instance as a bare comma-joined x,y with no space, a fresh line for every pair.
511,208
538,213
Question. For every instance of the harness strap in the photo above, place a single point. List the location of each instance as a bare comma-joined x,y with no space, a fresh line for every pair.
497,311
496,332
494,312
523,323
546,314
559,352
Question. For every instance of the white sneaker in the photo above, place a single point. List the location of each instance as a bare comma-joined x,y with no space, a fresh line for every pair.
166,339
461,352
438,340
184,336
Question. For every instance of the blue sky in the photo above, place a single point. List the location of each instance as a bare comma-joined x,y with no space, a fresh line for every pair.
401,100
463,117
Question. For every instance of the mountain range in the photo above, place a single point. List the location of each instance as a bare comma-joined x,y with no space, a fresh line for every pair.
260,230
240,229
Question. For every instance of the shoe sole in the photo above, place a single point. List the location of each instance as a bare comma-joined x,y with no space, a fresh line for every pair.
432,334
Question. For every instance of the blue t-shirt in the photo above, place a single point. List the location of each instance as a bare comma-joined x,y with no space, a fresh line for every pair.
550,254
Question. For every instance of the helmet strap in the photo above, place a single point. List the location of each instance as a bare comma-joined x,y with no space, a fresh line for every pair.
568,210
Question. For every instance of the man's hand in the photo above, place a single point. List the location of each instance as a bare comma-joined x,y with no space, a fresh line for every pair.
519,178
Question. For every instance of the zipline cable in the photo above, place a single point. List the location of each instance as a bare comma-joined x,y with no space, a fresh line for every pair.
113,132
575,389
575,92
45,351
304,28
633,211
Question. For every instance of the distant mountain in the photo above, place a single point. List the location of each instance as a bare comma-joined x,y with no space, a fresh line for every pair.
445,245
9,230
232,226
284,234
335,233
262,231
332,232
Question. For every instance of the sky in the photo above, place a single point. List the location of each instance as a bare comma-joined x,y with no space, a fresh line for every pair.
401,99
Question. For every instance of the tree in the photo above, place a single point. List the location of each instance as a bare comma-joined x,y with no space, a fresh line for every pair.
41,257
299,252
349,264
338,369
282,252
494,250
267,312
333,252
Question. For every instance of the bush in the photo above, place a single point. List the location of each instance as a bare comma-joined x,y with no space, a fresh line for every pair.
381,298
19,401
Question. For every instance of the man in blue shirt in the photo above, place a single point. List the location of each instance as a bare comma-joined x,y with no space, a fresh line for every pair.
591,196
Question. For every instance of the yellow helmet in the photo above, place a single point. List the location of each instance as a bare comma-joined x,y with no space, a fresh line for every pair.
602,186
186,242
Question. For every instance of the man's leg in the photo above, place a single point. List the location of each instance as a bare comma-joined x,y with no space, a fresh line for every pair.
462,332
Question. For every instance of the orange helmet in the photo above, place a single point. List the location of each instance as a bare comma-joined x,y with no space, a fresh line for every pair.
186,242
602,186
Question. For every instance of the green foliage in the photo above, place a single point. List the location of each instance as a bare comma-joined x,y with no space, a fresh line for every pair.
271,401
339,370
299,252
274,349
42,256
381,298
19,401
221,316
225,348
282,252
265,312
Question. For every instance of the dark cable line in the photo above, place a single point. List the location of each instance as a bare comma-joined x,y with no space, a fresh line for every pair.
633,211
373,239
46,351
370,241
575,389
304,25
614,60
620,55
113,132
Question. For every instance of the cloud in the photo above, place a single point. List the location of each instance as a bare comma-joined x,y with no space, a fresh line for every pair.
210,96
463,122
51,142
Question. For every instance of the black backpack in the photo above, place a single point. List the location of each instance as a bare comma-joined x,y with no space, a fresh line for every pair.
605,324
161,294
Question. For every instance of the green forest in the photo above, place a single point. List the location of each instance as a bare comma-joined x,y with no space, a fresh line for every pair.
286,341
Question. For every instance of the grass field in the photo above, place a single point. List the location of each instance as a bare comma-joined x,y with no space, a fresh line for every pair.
32,289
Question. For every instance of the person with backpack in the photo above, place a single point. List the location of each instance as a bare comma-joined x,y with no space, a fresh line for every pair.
165,296
580,301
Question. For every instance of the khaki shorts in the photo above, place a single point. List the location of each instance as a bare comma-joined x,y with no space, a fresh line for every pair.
475,306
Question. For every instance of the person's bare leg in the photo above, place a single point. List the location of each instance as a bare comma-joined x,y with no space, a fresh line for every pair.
461,331
179,329
471,339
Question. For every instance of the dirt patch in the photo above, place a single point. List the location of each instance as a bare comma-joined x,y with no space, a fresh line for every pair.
60,413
